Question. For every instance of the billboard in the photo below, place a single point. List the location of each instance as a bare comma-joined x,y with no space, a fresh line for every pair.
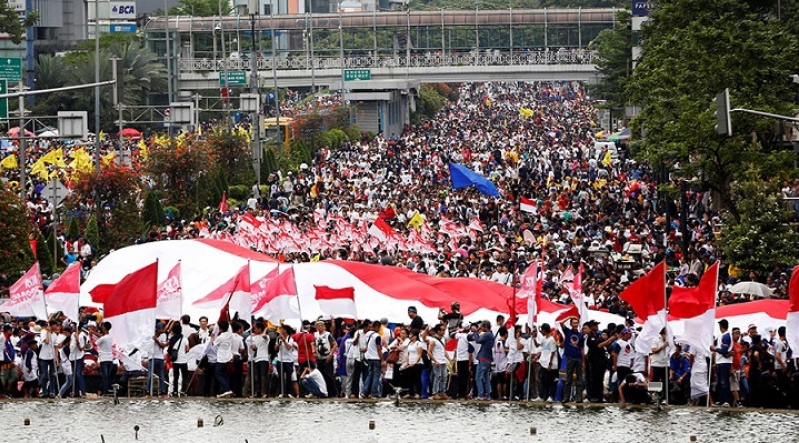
123,10
641,7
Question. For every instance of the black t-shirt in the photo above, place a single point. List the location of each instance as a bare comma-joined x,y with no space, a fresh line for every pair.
417,323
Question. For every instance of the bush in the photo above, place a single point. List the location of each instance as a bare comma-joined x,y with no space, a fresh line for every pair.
337,139
353,133
15,226
44,255
92,234
239,192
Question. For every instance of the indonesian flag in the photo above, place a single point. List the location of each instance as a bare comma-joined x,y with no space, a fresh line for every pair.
527,205
576,294
240,297
792,320
476,225
647,297
26,296
63,294
223,206
530,290
337,302
381,230
250,222
220,296
279,302
130,307
170,296
697,308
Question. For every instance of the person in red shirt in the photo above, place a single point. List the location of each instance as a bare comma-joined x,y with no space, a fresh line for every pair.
306,346
735,373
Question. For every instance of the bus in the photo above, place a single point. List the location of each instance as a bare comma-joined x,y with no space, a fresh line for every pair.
272,132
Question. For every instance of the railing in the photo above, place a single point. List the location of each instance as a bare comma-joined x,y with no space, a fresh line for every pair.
430,60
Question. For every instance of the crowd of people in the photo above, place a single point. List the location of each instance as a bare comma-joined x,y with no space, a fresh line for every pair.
592,204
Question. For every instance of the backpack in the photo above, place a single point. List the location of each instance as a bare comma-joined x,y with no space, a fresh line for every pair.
172,350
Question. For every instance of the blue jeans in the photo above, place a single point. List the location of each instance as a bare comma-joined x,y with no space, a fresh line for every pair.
483,379
371,385
67,386
47,376
723,378
312,387
80,382
439,379
106,369
156,366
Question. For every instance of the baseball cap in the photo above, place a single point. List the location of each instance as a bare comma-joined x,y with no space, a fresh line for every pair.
626,331
412,309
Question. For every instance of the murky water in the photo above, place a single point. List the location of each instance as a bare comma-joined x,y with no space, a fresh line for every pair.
332,422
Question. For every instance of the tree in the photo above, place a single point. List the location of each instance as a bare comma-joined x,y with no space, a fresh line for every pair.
45,255
73,230
14,230
92,233
12,25
762,238
615,60
153,212
690,52
183,174
201,8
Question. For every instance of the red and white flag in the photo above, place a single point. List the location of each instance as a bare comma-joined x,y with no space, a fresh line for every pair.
240,296
576,294
170,296
280,299
529,289
223,206
476,225
26,298
697,308
63,294
130,307
337,302
527,205
220,296
647,297
380,229
792,320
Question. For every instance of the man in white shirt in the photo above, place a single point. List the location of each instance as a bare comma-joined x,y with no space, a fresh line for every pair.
156,363
659,359
463,359
259,347
224,354
48,358
533,355
371,346
105,356
438,357
314,383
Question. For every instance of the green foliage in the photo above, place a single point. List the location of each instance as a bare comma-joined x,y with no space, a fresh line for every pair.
92,233
239,192
762,238
171,213
73,230
353,133
428,104
692,51
11,24
233,154
153,212
58,253
44,255
201,8
615,60
337,139
14,229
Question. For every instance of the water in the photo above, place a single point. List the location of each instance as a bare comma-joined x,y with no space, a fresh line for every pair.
333,422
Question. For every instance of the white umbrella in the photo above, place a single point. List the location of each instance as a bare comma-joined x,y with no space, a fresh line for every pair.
752,288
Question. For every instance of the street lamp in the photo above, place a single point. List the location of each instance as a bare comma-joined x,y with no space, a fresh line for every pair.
256,137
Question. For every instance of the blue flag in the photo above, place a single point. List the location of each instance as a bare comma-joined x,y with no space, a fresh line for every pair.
463,177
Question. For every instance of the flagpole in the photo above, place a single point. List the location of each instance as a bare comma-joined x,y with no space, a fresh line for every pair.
250,365
304,340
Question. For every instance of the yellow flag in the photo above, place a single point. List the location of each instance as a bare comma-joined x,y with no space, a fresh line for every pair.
108,158
199,130
181,139
40,169
416,221
316,257
102,136
10,162
606,161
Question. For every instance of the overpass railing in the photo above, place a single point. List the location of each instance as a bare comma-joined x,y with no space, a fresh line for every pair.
429,60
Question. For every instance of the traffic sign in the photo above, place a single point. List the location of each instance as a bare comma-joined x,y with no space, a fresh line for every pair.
3,101
234,78
357,74
11,69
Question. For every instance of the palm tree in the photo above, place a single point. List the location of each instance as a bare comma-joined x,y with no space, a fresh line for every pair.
144,74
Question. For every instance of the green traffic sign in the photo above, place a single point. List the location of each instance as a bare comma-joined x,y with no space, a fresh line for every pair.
11,69
357,74
234,78
3,101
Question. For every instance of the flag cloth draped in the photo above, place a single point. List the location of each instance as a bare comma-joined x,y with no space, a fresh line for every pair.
63,294
697,308
529,289
647,297
337,302
577,296
527,205
463,177
26,298
170,296
792,319
381,229
130,307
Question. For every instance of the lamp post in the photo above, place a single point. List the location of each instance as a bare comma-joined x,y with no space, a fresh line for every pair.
256,123
168,56
310,42
96,88
274,69
341,51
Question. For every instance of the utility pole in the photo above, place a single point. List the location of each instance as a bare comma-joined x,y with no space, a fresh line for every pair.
256,116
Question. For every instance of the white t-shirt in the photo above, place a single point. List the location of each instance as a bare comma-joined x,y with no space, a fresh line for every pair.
368,345
224,347
626,355
261,343
47,350
500,356
514,355
157,351
438,353
414,356
462,351
183,355
781,349
549,353
316,376
104,348
287,355
659,359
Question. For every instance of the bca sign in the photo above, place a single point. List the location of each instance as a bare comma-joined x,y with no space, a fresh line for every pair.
123,10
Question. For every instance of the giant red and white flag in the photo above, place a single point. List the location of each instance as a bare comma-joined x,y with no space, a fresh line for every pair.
280,300
380,229
170,296
130,307
26,298
697,308
529,289
792,319
577,295
63,294
337,302
647,297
